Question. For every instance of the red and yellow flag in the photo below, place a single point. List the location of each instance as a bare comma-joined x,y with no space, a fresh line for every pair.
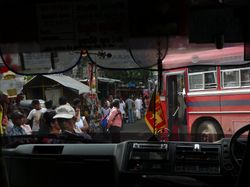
154,116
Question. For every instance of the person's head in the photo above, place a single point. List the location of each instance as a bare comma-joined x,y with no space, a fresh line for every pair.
116,103
110,98
51,124
63,100
65,116
104,104
36,104
121,100
48,117
48,104
77,103
19,97
17,118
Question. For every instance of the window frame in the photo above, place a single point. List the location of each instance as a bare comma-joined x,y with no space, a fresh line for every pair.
203,80
241,79
232,70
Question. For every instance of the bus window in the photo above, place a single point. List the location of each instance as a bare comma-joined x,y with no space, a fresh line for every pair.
202,80
230,78
245,77
235,76
196,81
210,80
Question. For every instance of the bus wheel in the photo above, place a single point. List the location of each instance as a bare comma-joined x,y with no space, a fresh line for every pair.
206,132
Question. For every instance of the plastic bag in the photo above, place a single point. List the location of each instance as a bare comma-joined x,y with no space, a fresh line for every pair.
104,122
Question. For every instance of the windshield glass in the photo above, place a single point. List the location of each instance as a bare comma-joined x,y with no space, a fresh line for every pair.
107,78
197,99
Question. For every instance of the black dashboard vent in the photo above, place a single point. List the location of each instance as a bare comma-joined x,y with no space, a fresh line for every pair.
197,158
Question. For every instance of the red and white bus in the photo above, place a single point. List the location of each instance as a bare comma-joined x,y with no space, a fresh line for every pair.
206,93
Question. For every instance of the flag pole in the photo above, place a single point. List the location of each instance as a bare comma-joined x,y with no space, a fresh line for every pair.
158,87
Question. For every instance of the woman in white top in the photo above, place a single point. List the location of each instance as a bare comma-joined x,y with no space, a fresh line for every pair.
81,122
105,109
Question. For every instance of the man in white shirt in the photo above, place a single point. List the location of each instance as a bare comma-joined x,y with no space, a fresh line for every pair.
138,107
35,115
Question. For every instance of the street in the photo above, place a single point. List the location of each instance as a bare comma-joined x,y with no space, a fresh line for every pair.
135,131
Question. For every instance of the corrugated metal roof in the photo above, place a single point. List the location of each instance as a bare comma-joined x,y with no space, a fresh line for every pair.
69,83
105,79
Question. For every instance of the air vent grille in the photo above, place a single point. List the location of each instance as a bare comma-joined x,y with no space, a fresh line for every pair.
196,158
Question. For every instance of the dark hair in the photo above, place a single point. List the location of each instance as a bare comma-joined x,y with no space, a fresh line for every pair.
63,100
116,103
35,102
47,118
76,101
48,104
16,114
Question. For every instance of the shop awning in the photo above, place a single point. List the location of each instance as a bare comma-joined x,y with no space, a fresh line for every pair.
69,82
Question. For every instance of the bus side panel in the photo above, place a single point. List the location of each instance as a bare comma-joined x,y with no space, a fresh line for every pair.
202,106
235,112
203,103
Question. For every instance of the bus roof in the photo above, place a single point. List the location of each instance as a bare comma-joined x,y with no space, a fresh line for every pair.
204,56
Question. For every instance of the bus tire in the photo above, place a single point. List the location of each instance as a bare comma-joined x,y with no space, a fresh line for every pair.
207,132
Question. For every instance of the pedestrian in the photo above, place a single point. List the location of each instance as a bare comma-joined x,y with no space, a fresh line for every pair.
49,105
46,121
63,101
115,122
35,115
138,107
130,109
122,107
65,116
17,119
81,122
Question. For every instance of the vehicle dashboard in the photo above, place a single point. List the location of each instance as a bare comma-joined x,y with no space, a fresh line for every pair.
130,163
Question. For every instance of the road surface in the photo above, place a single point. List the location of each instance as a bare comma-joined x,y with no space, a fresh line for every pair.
136,131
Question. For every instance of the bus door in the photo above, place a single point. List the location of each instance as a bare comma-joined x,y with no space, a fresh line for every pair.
176,106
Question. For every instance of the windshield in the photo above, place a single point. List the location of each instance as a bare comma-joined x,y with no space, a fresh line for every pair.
125,82
202,96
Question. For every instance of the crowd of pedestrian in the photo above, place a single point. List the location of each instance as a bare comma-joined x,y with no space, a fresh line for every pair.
69,120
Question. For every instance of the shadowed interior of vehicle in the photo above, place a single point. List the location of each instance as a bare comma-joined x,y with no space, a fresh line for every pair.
126,164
